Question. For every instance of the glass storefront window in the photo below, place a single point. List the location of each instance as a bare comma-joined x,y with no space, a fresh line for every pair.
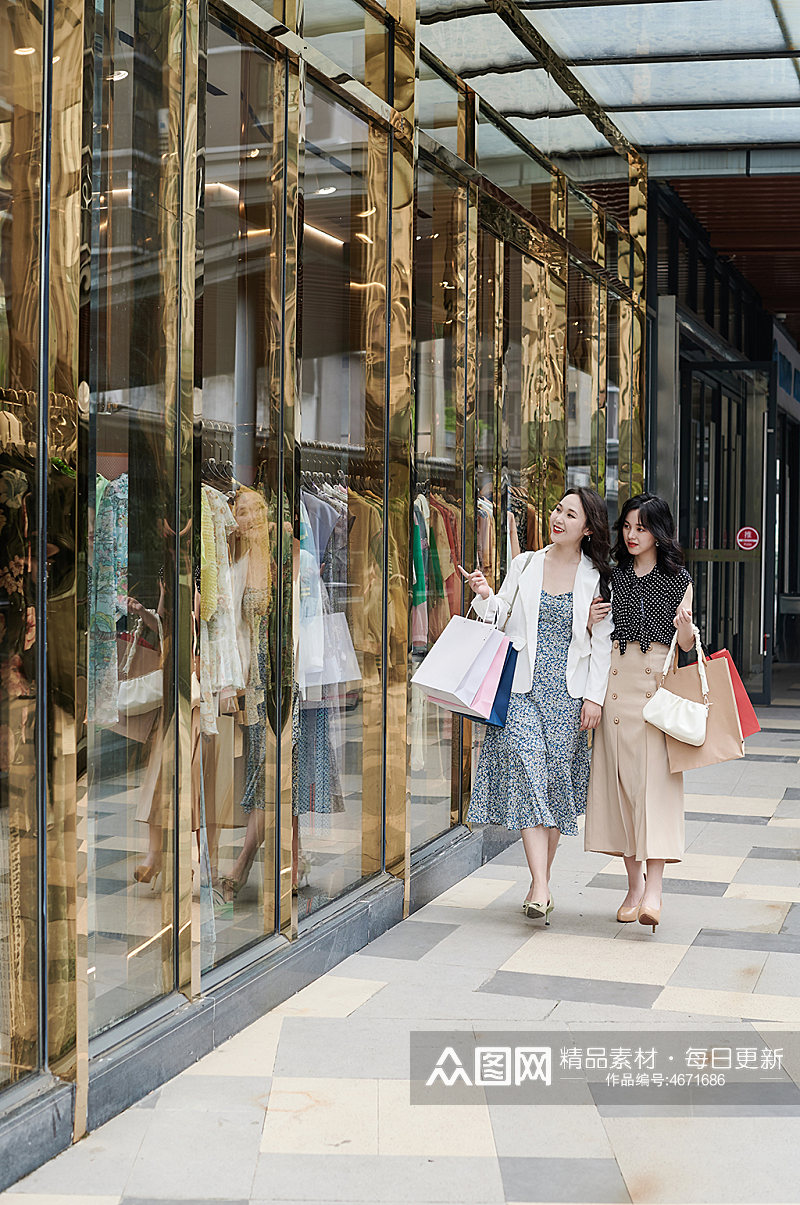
580,222
352,37
20,193
437,105
437,531
506,164
237,715
581,377
129,337
337,709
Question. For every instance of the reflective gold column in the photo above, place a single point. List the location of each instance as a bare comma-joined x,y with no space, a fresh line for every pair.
188,934
600,428
554,425
285,397
399,448
626,400
470,385
67,863
501,445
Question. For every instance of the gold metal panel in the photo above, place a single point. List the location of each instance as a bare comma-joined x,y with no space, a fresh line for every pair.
285,395
558,203
637,175
188,919
67,863
397,853
637,400
598,235
396,516
532,402
626,401
501,445
459,811
600,320
554,420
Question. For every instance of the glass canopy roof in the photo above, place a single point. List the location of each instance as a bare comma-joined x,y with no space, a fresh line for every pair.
693,74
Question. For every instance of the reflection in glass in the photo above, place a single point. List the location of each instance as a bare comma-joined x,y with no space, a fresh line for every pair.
439,485
20,137
581,376
504,162
129,328
437,105
237,677
355,40
339,580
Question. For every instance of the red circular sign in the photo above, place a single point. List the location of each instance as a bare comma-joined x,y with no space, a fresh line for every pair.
747,538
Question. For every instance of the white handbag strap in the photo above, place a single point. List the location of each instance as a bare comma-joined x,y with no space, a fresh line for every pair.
137,633
701,660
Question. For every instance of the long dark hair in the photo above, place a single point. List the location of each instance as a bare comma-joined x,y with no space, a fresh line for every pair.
597,546
656,517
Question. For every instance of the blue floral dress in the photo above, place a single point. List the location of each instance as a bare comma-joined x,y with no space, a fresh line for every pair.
535,770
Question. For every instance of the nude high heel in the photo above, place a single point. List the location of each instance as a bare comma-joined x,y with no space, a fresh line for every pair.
626,915
649,916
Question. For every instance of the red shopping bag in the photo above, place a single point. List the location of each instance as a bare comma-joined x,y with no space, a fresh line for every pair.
747,716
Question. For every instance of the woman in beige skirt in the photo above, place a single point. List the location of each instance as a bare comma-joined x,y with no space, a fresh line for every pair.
635,804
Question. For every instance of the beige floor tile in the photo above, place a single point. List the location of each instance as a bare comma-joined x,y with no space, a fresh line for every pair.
789,749
474,893
430,1130
330,996
710,868
38,1198
753,1005
322,1117
251,1052
730,805
597,958
767,893
784,822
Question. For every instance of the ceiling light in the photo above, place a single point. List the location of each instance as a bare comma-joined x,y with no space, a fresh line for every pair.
56,59
25,50
225,188
325,192
116,76
368,212
364,237
254,153
331,238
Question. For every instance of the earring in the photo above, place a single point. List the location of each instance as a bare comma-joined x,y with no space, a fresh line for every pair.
657,544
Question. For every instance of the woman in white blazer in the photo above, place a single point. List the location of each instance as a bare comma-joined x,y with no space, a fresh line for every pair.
533,773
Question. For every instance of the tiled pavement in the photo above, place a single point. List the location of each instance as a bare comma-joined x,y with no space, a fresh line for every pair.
311,1103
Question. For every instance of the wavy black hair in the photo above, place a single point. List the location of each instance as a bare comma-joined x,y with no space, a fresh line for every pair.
597,546
656,517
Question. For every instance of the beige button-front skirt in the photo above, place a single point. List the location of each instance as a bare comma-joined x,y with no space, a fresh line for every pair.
635,804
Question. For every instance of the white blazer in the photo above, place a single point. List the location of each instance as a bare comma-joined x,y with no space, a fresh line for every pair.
589,657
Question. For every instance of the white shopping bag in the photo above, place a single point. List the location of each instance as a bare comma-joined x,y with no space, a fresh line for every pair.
339,661
456,666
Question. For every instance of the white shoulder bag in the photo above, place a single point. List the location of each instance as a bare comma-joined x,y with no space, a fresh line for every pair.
142,692
681,718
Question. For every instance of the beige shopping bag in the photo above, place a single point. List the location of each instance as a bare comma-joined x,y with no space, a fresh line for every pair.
723,732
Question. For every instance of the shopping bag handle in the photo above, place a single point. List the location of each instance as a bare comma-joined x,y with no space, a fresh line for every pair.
701,660
493,620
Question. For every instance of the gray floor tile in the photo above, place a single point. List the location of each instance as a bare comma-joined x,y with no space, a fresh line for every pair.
730,939
773,872
792,922
792,793
721,818
729,1100
184,1201
671,886
780,975
410,940
350,1047
725,970
378,1178
196,1154
780,855
98,1165
569,1180
562,1131
564,987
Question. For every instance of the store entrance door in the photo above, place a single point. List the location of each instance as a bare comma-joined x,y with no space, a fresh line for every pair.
727,514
